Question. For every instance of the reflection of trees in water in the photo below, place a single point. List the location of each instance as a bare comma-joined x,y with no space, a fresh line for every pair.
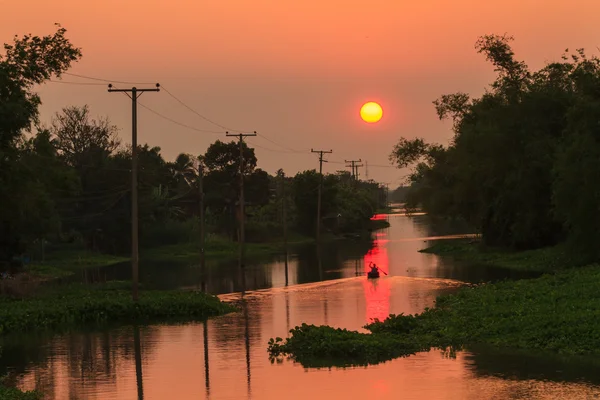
91,358
333,257
522,365
225,277
432,226
229,332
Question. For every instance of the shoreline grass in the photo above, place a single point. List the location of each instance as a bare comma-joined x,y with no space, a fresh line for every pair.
222,249
549,259
66,262
9,393
75,305
557,312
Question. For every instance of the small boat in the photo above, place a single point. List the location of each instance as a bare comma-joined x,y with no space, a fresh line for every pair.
373,275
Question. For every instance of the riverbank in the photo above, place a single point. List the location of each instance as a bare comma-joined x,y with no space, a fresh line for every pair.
8,393
550,259
68,260
222,249
557,312
15,394
66,306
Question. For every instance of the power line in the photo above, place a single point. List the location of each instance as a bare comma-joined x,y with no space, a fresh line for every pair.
107,80
288,150
176,122
78,83
223,126
186,106
194,111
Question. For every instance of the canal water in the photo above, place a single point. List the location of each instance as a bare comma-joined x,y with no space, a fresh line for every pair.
226,357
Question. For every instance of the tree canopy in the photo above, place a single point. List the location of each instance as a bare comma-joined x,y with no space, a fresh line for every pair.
523,157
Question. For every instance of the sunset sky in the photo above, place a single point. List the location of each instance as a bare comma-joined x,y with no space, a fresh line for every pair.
297,72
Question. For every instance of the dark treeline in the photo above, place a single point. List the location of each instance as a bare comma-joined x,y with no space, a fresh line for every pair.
69,182
524,161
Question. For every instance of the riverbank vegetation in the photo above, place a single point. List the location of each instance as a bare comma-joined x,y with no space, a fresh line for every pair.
547,259
518,164
71,305
8,393
556,312
518,170
68,182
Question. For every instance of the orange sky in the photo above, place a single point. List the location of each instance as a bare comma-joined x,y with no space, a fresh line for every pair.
295,71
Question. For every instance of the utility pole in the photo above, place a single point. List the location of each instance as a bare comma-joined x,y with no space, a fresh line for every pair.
357,173
321,152
202,225
135,94
241,236
353,166
367,169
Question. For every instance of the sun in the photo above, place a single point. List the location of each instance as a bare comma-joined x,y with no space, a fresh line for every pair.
371,112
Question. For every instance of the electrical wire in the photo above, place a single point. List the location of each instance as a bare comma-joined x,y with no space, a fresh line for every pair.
107,80
194,111
288,150
176,122
78,83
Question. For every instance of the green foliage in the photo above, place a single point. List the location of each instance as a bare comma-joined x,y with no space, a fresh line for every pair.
29,61
557,313
549,259
71,182
7,393
76,305
323,346
523,155
66,260
346,204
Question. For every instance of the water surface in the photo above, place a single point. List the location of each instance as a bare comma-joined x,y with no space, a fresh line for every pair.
226,357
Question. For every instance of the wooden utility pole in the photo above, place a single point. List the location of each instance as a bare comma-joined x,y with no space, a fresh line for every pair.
202,225
135,94
241,236
353,166
320,152
356,174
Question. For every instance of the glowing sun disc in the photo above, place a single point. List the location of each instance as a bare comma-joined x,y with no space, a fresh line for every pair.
371,112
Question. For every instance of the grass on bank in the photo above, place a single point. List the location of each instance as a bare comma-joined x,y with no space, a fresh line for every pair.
7,393
78,304
67,261
548,259
556,312
221,248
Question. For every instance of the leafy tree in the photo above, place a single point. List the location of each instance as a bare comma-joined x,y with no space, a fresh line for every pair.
522,157
29,61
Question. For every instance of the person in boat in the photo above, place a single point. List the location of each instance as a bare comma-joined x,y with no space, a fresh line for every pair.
374,268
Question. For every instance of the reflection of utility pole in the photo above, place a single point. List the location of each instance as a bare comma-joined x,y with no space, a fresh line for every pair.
247,335
202,226
284,220
135,94
137,348
206,374
287,310
321,152
241,235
